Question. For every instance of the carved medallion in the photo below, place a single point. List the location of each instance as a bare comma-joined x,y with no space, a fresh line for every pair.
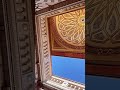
71,27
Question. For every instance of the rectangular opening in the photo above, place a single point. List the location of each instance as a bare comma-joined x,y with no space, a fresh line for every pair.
67,45
61,39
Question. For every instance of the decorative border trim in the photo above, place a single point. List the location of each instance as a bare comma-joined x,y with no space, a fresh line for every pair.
44,44
65,84
102,51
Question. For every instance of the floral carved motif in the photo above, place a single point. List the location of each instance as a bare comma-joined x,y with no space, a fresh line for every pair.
71,27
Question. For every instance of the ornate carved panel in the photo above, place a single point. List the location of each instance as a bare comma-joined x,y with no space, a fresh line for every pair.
102,46
67,34
71,27
20,43
102,30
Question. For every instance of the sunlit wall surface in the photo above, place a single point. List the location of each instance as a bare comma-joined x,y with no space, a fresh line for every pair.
69,68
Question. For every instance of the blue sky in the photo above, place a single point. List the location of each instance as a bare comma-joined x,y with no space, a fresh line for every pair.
69,68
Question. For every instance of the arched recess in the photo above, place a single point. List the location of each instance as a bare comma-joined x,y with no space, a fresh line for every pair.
19,30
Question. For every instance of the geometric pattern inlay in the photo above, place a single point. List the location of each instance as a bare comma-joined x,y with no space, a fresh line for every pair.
71,27
102,24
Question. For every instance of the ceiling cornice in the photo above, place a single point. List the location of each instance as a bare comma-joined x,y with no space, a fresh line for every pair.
58,5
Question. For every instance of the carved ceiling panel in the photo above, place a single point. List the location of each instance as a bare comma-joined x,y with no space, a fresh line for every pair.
67,33
103,31
71,27
102,24
40,4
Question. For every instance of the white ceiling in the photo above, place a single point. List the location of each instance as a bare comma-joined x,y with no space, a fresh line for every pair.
40,4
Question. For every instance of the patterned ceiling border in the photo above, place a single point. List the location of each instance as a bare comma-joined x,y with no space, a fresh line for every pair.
102,51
